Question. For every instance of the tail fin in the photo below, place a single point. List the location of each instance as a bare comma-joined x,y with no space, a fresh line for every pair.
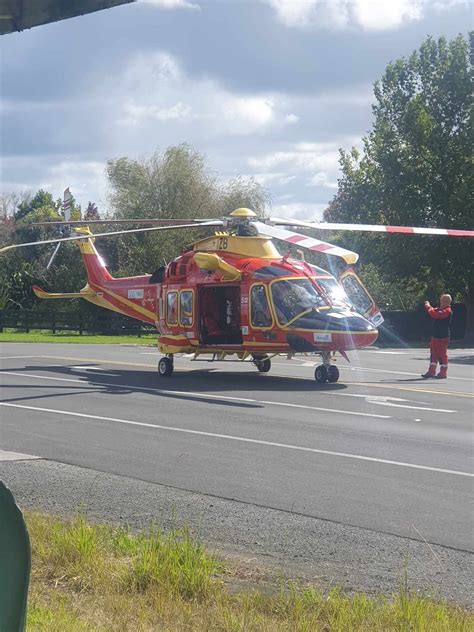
67,204
97,273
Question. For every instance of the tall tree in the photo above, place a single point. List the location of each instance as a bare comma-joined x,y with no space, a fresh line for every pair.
174,184
416,169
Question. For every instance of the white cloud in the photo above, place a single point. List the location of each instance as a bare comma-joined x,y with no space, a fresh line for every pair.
82,176
315,164
302,157
247,114
171,4
370,15
377,16
155,90
135,114
299,210
321,179
292,118
278,178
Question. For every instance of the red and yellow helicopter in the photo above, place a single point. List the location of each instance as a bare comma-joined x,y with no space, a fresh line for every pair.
234,294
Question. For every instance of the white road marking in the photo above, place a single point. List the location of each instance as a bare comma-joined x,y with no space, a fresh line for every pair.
297,363
202,395
365,369
216,435
6,455
388,352
385,400
18,357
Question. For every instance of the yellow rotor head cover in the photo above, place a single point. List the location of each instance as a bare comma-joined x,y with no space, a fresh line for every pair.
243,212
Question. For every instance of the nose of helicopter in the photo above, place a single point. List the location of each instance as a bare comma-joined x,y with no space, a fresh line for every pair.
336,329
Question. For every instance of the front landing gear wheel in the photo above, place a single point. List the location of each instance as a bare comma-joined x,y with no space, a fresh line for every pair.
321,374
263,366
333,373
165,367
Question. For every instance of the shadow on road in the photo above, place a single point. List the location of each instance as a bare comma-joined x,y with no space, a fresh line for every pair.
183,384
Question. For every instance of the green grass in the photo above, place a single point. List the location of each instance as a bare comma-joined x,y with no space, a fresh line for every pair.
100,578
47,336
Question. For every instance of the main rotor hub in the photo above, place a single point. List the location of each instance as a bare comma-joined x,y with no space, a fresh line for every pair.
243,213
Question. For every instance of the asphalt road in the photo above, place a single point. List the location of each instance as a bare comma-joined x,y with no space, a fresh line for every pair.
381,451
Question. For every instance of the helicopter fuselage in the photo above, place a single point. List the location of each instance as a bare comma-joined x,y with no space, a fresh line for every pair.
275,305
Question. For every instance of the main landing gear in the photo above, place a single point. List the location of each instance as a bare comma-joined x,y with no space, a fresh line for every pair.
263,364
326,372
166,366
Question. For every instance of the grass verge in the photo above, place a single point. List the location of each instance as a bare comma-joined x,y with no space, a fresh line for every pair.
45,336
98,578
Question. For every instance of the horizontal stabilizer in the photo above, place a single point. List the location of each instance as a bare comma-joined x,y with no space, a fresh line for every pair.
43,294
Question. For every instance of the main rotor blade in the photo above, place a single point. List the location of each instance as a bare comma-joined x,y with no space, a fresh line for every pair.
117,232
374,228
309,243
151,222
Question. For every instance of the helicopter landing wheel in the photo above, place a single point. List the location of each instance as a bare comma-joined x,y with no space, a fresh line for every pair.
165,367
321,374
333,373
263,366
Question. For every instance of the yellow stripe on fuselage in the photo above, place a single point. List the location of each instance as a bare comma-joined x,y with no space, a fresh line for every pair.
141,310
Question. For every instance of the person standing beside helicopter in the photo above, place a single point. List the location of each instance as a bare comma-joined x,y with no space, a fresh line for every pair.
440,336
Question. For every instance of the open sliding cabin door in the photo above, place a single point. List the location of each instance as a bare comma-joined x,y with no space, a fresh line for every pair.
360,297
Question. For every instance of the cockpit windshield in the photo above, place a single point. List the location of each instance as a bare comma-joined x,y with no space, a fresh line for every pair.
293,297
335,292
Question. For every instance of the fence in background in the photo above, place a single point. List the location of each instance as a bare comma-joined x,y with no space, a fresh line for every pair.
103,322
399,327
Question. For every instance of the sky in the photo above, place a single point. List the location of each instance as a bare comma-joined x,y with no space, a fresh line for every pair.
269,89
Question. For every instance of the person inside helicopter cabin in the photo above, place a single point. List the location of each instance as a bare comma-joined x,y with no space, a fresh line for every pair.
292,298
210,311
441,316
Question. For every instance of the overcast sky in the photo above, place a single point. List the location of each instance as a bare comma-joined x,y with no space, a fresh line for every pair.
264,88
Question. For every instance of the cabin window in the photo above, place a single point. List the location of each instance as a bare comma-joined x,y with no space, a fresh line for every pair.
172,308
186,308
260,315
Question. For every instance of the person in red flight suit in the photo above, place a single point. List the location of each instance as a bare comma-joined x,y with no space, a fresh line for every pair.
440,337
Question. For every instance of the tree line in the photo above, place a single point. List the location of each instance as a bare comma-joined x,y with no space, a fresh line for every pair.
415,169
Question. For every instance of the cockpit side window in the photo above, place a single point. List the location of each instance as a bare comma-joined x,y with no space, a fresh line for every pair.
359,297
260,315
